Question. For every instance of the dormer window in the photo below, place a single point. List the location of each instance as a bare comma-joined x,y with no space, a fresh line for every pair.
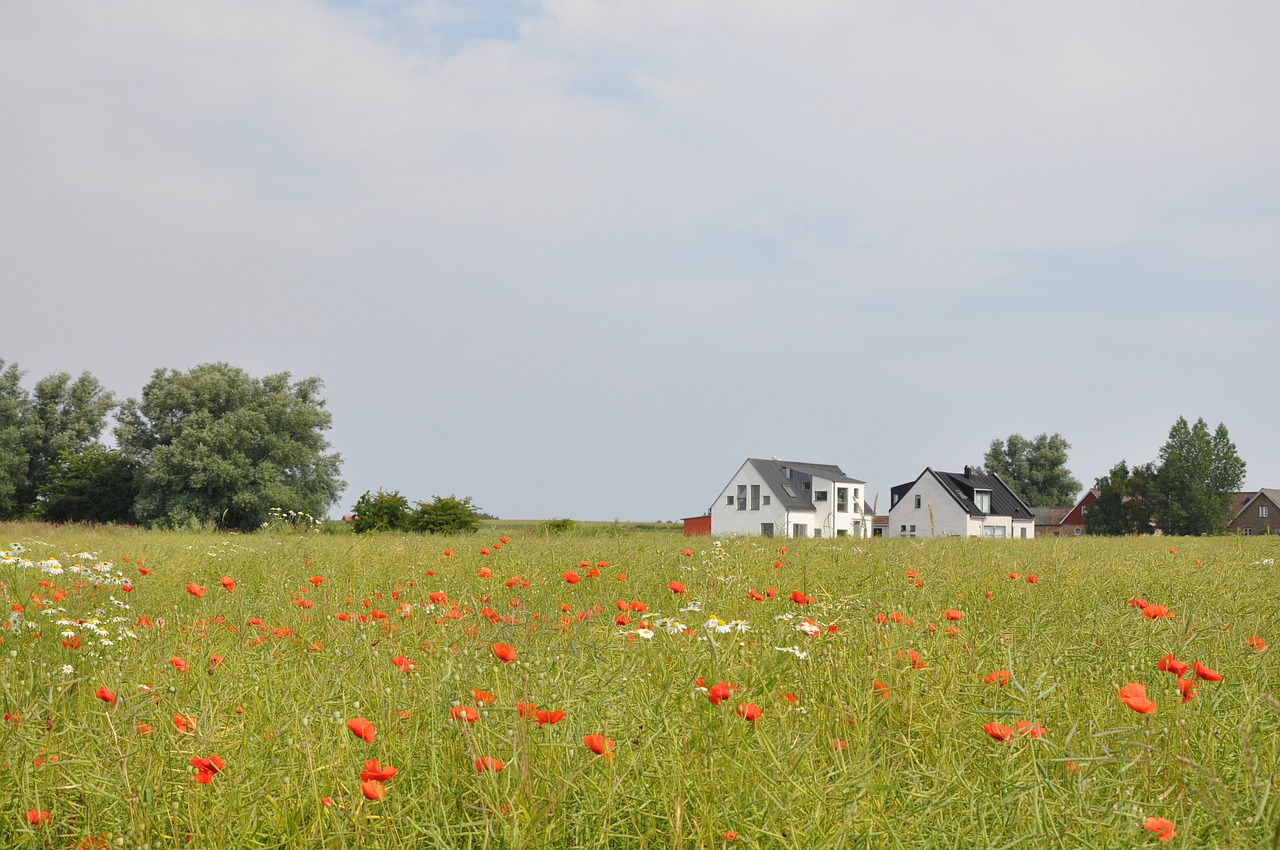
982,498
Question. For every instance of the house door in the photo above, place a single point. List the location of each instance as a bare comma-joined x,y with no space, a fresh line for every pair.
800,529
766,529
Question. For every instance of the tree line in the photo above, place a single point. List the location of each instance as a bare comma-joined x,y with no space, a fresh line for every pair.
208,446
1189,491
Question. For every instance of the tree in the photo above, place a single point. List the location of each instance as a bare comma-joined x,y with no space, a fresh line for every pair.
381,512
1124,504
215,445
446,515
13,460
1196,481
61,415
1035,469
95,484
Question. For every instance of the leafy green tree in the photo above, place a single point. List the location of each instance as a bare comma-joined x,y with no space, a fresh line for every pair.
1196,481
381,512
95,484
1036,469
61,415
13,458
446,515
1124,503
215,445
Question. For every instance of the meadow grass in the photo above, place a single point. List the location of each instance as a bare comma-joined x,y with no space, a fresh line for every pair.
835,765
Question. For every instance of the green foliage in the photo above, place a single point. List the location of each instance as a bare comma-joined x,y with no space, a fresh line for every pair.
61,416
12,453
1035,469
95,484
1124,505
381,512
215,445
557,526
1198,476
445,515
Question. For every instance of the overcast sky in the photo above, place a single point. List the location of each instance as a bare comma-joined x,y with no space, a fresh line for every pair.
582,258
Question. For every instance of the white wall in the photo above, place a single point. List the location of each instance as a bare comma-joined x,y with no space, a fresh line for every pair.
948,517
726,519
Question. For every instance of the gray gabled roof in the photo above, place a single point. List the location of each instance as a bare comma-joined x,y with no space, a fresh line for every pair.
788,492
1273,495
961,487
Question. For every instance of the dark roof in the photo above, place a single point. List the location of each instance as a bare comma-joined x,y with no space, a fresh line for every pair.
962,485
1052,515
789,494
1244,500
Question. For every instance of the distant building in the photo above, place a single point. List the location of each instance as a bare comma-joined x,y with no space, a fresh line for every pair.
1259,514
1065,521
790,499
968,504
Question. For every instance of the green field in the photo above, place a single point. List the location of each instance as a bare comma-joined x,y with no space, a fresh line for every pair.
854,746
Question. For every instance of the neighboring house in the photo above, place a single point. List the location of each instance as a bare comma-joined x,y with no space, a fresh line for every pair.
1065,521
789,499
1258,515
968,504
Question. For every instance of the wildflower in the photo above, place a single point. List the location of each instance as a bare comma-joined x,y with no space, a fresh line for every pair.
675,587
997,731
882,691
997,677
373,790
1032,579
228,584
647,634
316,581
1203,672
362,729
484,763
598,744
485,572
952,614
67,669
790,697
186,725
104,693
688,553
1169,664
463,712
206,768
35,817
1156,612
404,664
1134,695
328,801
748,711
545,717
730,835
1138,602
1162,827
570,577
178,664
196,590
719,692
1187,687
1256,643
482,698
141,728
504,541
506,654
373,770
1031,730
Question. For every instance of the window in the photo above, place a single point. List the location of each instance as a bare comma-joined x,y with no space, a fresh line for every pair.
755,497
913,529
808,485
842,499
765,499
982,498
1077,531
820,496
1264,511
1248,532
842,532
742,497
855,494
766,529
917,502
1023,535
817,532
800,529
729,500
903,530
996,531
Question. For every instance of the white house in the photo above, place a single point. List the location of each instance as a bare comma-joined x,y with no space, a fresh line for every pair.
779,497
968,504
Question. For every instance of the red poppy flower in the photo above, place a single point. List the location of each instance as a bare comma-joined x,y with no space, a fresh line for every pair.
1162,827
178,664
882,691
675,587
1187,687
373,790
448,553
206,768
1156,612
141,728
373,770
1203,672
1256,643
748,711
184,724
228,583
997,677
1134,695
404,664
485,572
719,692
997,731
362,729
1169,664
1031,730
214,661
687,552
525,709
464,712
196,590
912,574
504,541
482,698
1032,579
1138,602
484,550
952,614
104,693
545,717
570,577
598,744
506,654
35,817
484,763
328,801
621,577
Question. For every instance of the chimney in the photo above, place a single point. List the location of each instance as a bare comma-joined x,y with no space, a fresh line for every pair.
968,472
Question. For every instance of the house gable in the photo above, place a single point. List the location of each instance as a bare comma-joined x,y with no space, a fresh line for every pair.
1260,514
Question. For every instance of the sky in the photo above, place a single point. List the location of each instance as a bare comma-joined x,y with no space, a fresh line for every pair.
582,258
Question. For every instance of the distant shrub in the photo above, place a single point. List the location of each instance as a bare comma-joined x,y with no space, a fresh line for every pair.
445,515
557,526
381,512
